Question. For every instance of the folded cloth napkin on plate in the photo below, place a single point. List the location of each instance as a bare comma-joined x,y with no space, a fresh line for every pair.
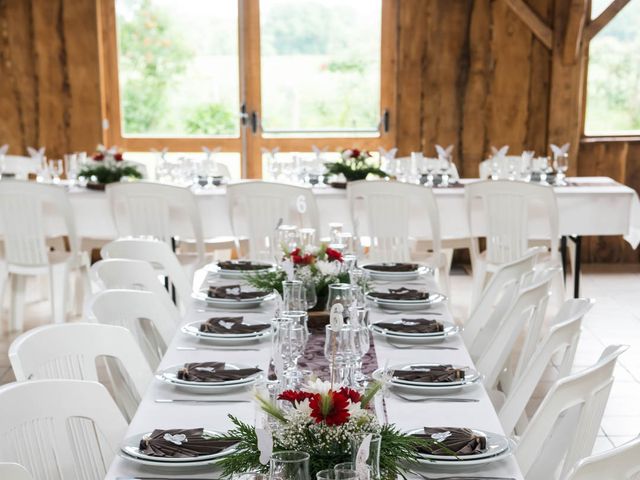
452,441
431,374
411,325
393,267
234,292
242,265
181,443
402,293
231,325
213,372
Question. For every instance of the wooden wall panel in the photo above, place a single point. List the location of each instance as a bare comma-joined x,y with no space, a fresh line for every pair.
49,75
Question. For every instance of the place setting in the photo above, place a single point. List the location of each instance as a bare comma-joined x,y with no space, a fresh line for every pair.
238,269
229,330
404,298
233,296
395,271
414,331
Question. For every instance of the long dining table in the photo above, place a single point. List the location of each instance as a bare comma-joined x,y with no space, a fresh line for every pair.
152,414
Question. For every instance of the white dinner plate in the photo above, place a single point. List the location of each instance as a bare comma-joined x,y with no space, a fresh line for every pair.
498,447
243,273
170,377
434,298
193,329
420,338
397,276
231,304
430,388
448,329
131,450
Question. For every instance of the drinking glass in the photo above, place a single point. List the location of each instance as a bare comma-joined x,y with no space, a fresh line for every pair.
71,167
334,230
310,294
540,165
289,465
293,296
340,350
561,165
287,237
340,293
56,168
358,277
373,460
301,319
333,474
417,162
288,342
366,474
431,165
307,236
250,476
445,167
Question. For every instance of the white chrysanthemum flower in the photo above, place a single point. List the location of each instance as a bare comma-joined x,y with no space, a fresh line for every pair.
346,154
328,268
355,410
311,249
318,386
303,407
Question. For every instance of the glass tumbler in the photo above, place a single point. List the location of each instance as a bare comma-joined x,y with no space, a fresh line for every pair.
289,465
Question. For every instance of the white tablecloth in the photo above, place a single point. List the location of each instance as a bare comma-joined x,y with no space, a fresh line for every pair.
595,206
405,415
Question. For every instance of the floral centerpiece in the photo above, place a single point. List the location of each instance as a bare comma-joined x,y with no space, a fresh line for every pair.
320,265
321,421
355,165
107,166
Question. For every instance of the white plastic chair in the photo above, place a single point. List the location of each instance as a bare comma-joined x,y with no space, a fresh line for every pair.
564,428
147,209
505,207
14,471
121,273
70,352
257,208
620,463
498,295
137,311
562,339
60,429
161,258
21,166
25,207
387,207
499,336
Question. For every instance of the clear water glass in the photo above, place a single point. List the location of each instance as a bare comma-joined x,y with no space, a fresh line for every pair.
540,166
335,229
289,465
56,168
288,342
561,165
307,237
333,474
365,475
340,350
250,476
373,460
71,167
340,293
445,168
359,279
293,296
287,237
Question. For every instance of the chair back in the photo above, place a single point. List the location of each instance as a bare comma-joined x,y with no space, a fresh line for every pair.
159,255
387,206
44,427
148,319
25,207
14,471
70,351
561,340
506,207
147,209
497,296
620,463
257,208
564,428
526,314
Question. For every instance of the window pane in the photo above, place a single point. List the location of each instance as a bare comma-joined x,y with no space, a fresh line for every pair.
178,67
613,87
598,6
320,65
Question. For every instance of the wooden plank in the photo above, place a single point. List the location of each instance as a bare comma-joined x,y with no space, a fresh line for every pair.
389,70
604,18
539,28
573,35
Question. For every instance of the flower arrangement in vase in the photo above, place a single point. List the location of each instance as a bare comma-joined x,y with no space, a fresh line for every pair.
107,166
354,165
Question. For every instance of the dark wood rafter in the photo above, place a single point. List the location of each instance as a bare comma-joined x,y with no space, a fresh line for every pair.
573,35
604,18
539,28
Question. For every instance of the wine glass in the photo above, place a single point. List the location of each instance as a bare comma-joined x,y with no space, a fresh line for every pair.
374,451
56,168
335,229
289,465
293,296
445,165
340,293
358,277
336,474
561,165
71,167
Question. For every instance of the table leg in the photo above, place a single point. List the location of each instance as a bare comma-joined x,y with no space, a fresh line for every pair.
563,255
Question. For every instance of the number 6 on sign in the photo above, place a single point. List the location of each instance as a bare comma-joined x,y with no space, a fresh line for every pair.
301,204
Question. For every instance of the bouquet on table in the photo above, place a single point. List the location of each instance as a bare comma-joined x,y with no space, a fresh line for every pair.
355,164
327,423
313,265
108,166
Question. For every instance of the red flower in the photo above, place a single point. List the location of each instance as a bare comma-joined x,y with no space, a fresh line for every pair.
332,408
299,259
333,254
352,395
295,396
98,157
355,153
295,251
118,157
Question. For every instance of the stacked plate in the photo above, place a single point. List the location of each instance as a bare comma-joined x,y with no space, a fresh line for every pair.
233,303
471,377
408,305
406,271
417,338
170,377
242,268
498,447
193,329
130,450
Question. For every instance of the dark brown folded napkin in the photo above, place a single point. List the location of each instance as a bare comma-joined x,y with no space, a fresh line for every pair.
182,443
393,267
231,325
234,292
452,441
431,374
402,293
413,325
243,265
213,372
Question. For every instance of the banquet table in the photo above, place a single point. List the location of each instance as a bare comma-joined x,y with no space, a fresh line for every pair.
406,415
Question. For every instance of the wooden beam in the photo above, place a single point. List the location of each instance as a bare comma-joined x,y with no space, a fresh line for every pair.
573,31
540,29
604,18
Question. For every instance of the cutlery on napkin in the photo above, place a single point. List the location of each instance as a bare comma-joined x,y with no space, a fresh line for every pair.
452,441
213,372
182,443
431,374
412,325
231,325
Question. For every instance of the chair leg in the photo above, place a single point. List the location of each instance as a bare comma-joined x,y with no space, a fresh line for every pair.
16,321
59,281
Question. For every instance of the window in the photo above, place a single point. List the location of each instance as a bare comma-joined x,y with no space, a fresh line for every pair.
245,75
613,79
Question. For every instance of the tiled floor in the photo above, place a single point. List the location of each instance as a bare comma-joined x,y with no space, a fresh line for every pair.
614,319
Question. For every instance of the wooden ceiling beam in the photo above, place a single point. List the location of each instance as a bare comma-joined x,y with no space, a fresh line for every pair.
530,18
604,18
576,23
